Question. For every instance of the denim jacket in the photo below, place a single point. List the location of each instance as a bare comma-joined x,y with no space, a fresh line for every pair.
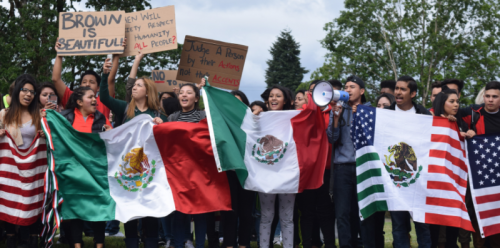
345,152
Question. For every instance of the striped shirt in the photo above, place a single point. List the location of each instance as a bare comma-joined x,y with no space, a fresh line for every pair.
191,116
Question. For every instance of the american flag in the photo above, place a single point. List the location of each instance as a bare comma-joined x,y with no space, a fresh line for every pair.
484,160
22,174
440,185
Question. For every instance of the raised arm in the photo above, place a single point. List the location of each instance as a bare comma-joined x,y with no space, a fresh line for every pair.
113,71
132,77
117,106
56,74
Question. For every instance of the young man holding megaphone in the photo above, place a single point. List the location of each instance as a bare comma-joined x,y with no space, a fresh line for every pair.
317,202
344,158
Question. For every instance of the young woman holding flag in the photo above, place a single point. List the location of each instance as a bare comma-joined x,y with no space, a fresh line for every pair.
189,97
22,121
82,114
144,100
278,100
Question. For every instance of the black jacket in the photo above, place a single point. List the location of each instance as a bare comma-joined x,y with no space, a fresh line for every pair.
419,109
99,119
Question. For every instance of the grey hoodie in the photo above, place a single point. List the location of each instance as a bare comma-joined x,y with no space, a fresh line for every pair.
345,152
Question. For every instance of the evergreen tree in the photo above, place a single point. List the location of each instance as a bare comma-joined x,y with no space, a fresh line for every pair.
284,68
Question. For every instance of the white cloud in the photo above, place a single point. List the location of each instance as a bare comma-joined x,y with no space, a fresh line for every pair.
255,24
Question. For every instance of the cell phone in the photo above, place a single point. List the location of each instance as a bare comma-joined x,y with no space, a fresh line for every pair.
53,99
110,56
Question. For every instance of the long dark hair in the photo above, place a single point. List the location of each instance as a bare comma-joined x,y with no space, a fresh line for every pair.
171,94
13,115
260,104
196,92
242,95
47,85
77,95
389,97
171,105
439,103
287,105
440,100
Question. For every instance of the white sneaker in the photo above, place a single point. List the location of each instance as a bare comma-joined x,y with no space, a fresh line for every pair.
189,244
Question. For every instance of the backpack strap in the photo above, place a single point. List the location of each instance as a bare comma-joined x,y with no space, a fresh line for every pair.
474,119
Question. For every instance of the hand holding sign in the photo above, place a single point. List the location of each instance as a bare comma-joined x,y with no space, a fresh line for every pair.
91,33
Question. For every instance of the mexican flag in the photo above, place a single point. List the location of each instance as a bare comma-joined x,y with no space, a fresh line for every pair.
136,170
273,152
410,162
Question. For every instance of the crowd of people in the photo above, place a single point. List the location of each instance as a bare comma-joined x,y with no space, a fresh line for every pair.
302,217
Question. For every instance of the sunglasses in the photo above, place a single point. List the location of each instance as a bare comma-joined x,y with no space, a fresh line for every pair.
26,90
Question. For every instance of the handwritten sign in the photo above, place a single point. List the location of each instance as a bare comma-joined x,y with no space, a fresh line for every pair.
91,33
221,62
165,80
150,31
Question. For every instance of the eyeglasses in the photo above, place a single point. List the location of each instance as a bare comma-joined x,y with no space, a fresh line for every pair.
26,90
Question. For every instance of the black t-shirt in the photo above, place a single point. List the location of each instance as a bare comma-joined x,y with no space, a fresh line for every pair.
491,122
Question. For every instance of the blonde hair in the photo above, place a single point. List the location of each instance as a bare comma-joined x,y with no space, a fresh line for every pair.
480,96
151,95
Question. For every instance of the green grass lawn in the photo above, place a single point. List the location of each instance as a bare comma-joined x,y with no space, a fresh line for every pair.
113,242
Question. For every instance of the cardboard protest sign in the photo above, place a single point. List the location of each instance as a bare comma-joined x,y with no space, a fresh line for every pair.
150,31
165,80
91,33
221,62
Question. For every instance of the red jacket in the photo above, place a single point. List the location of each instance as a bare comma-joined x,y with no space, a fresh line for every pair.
474,112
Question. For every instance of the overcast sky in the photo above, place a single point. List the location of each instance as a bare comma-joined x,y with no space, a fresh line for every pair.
256,24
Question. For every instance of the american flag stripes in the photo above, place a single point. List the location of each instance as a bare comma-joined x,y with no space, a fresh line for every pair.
22,180
484,162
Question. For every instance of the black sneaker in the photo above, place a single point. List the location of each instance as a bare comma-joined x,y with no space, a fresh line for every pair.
162,242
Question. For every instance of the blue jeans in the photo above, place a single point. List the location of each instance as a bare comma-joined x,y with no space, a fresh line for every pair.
346,205
112,227
166,227
400,230
200,229
182,222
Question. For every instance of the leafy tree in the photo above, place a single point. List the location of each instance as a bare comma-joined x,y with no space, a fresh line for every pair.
284,68
28,32
303,86
428,40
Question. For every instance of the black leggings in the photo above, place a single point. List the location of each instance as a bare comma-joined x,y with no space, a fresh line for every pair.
149,227
75,228
316,206
243,202
34,228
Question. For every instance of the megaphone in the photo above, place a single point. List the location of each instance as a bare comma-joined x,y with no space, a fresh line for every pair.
323,93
